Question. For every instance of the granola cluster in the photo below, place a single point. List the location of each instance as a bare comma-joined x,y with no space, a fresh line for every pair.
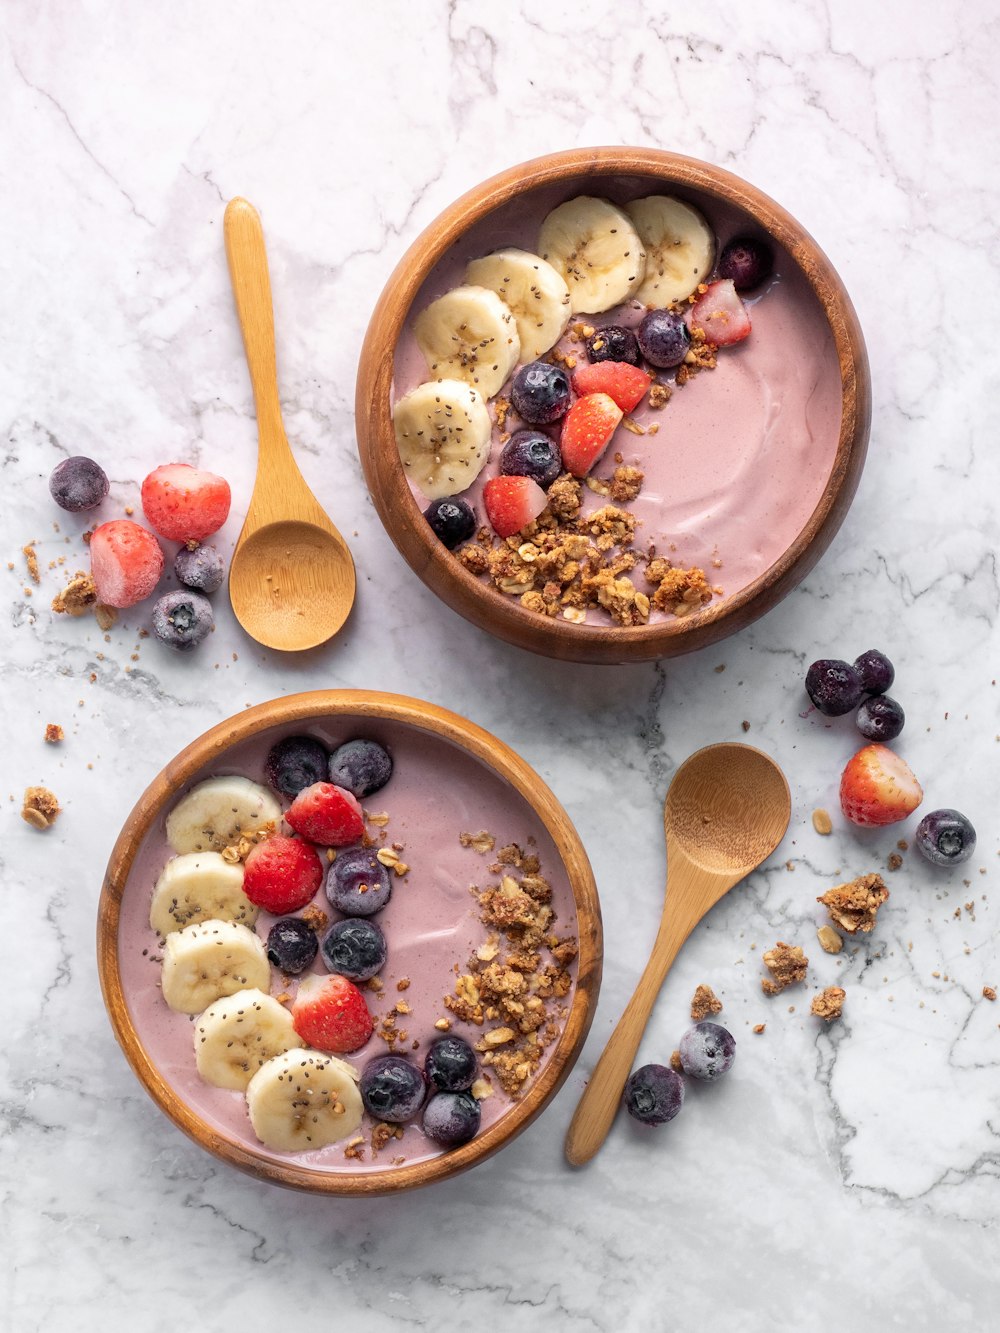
853,907
787,965
829,1003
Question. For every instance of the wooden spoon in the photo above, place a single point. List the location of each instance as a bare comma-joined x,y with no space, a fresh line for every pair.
291,580
726,810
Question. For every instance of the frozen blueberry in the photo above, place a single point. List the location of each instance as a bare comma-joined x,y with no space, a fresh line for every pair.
880,718
78,483
746,262
833,686
361,767
540,393
530,453
357,883
452,521
707,1051
182,620
664,338
613,343
392,1089
201,568
875,671
354,947
291,945
451,1118
450,1064
295,763
654,1094
946,837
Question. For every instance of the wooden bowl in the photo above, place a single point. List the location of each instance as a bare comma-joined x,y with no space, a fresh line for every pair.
596,171
163,1061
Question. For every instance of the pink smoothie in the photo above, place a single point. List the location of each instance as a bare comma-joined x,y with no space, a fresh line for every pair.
431,922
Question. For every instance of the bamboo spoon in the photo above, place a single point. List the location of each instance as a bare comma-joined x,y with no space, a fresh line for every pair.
291,580
726,810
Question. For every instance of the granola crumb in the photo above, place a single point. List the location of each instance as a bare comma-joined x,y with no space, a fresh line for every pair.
105,615
40,807
787,964
704,1002
443,1025
403,984
894,861
481,842
822,822
31,560
759,1028
829,1003
315,918
659,395
78,596
675,1062
829,940
989,993
745,725
854,906
54,733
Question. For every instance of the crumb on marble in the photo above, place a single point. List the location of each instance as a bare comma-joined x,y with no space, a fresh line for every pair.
829,1003
894,861
989,993
675,1062
759,1028
78,597
31,560
40,807
854,906
787,964
704,1002
822,822
54,733
829,940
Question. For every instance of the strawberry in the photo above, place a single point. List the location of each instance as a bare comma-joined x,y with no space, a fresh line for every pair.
512,503
126,562
329,1013
587,431
326,814
282,874
183,504
877,787
625,384
720,314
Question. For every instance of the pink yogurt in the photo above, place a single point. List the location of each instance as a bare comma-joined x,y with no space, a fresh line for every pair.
431,923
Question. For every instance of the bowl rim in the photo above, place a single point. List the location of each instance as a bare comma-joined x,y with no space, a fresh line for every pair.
210,747
484,605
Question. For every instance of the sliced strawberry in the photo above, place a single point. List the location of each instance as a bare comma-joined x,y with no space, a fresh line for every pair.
626,384
877,787
512,503
329,1013
326,814
587,431
720,314
282,874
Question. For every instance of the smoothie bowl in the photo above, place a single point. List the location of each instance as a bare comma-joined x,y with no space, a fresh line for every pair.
349,942
613,404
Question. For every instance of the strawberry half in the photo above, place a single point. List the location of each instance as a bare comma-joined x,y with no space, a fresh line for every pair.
877,787
587,431
720,314
282,874
329,1013
326,814
512,503
623,383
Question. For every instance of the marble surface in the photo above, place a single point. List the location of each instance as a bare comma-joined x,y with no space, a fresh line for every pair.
841,1174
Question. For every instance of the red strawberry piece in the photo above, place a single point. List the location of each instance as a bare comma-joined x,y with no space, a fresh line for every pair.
326,814
329,1013
587,431
183,504
126,562
512,503
720,314
626,384
282,874
877,787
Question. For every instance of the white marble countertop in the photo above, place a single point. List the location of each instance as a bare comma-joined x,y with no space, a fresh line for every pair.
840,1176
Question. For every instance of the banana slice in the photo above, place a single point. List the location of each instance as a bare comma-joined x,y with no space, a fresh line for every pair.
596,249
443,434
199,886
236,1035
469,334
679,244
213,814
532,290
208,960
303,1100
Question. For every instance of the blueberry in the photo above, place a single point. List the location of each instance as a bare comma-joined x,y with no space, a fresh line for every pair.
540,393
361,767
654,1094
450,1064
880,718
295,763
530,453
746,262
291,945
613,343
946,837
664,338
357,883
451,1118
78,483
355,948
875,670
833,686
202,568
707,1051
392,1089
452,521
182,620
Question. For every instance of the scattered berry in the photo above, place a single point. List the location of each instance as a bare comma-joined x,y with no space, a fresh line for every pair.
78,483
452,520
664,338
540,393
707,1051
200,567
654,1094
833,686
875,671
126,562
294,763
183,504
613,343
357,883
392,1089
587,431
624,384
329,1013
182,619
327,815
880,718
512,503
291,945
354,947
877,787
282,874
450,1064
361,767
530,453
946,837
720,314
451,1118
746,261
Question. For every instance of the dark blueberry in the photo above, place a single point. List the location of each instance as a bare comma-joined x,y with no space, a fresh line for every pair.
746,262
452,521
78,483
664,338
357,883
355,948
201,568
833,686
540,393
451,1118
876,671
182,620
392,1089
654,1094
613,343
707,1051
946,837
880,718
362,767
530,453
295,763
291,945
450,1064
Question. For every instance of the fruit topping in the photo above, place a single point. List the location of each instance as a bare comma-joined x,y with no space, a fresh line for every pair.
451,1118
654,1094
707,1051
209,959
450,1064
877,787
184,504
126,562
664,338
182,620
355,948
282,874
512,503
469,335
392,1089
540,393
294,763
199,567
300,1101
613,343
361,767
291,945
330,1014
357,883
452,521
218,812
833,686
531,453
327,815
77,484
587,431
720,314
239,1033
875,671
533,292
946,837
443,435
596,248
623,383
199,886
880,718
679,244
746,262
